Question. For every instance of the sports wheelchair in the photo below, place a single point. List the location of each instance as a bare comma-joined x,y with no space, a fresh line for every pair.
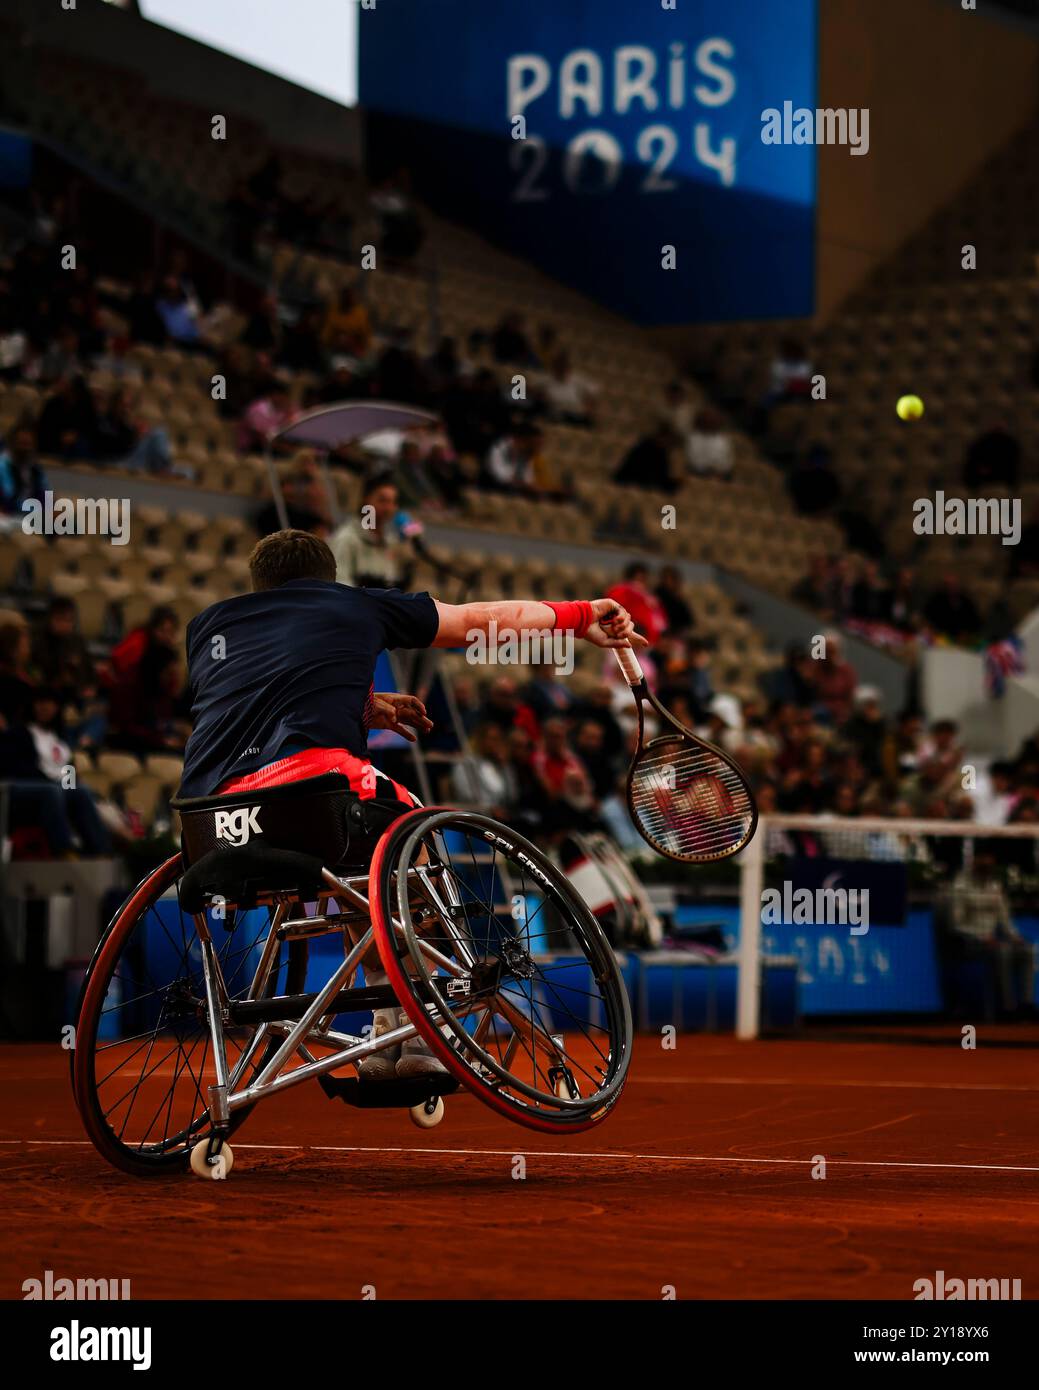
233,971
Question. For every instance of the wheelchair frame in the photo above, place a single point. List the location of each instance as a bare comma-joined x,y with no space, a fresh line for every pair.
314,1023
407,905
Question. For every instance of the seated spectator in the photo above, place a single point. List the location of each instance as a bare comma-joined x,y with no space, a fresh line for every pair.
870,596
17,679
903,602
684,671
447,477
270,412
120,437
634,594
488,777
596,705
723,724
570,396
68,421
145,324
709,449
567,791
908,740
178,313
789,373
21,477
806,786
816,590
942,752
995,796
402,233
590,747
952,612
14,344
546,694
63,357
145,681
34,763
347,328
306,502
476,414
647,464
414,480
845,801
342,384
509,464
993,460
510,344
835,680
866,731
369,549
526,812
680,618
61,658
502,706
976,925
793,683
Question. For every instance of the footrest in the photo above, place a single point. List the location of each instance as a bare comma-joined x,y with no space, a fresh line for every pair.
401,1093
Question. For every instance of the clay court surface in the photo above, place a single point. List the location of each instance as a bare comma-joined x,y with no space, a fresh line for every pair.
700,1179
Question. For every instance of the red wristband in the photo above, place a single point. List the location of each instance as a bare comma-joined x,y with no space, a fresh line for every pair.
576,616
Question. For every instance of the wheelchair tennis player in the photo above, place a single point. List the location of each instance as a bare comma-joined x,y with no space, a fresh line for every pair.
281,690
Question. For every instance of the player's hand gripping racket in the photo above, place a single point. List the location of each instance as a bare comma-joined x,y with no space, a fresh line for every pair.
687,798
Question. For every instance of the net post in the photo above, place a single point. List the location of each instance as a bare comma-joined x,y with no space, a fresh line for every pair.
748,989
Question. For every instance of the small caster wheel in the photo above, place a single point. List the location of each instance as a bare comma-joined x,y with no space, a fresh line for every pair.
219,1168
429,1114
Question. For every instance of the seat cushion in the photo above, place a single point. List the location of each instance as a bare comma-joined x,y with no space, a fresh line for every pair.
240,875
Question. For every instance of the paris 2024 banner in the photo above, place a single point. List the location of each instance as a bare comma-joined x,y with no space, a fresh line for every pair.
591,135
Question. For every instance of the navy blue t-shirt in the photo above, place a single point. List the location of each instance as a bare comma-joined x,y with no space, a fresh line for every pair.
289,668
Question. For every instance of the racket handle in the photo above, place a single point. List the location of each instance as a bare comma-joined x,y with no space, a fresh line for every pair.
629,664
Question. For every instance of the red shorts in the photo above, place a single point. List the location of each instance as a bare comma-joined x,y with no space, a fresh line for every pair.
367,781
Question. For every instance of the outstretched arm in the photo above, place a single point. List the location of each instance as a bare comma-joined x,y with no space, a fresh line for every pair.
458,621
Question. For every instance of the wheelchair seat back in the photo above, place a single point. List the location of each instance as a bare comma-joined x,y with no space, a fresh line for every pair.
241,845
311,817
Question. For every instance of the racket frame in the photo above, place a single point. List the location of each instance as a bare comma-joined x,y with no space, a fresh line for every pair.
639,686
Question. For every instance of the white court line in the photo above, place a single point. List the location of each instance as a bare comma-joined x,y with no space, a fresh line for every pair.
821,1085
562,1153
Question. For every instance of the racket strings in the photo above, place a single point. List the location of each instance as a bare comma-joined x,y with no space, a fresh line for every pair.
689,802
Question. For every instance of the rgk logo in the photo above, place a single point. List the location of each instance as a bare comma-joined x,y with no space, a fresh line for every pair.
236,826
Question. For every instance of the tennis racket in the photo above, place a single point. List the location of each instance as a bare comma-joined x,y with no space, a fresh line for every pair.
687,799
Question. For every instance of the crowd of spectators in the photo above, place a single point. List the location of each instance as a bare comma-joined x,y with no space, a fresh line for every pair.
815,741
57,700
892,607
549,752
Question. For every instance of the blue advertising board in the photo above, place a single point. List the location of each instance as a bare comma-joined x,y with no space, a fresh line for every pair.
588,135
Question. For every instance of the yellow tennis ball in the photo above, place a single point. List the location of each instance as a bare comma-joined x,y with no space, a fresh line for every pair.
909,408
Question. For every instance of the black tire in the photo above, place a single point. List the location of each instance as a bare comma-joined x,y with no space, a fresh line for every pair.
506,975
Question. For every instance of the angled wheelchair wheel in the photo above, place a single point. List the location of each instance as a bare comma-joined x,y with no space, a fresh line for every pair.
502,968
143,1060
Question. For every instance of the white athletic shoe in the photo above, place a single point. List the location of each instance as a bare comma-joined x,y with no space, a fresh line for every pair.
382,1065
